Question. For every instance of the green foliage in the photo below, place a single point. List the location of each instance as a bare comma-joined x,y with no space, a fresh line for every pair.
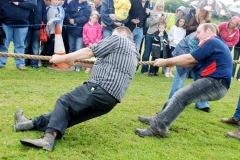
194,135
172,5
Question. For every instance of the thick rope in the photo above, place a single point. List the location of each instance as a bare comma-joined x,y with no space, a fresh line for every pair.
47,58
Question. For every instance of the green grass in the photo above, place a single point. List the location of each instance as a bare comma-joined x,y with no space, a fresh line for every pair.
194,135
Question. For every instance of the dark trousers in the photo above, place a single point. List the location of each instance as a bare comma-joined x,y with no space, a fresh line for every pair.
83,103
153,69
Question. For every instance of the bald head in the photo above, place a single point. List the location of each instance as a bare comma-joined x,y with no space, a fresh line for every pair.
122,31
205,31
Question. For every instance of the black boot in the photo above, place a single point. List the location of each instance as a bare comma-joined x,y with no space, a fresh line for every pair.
19,117
47,142
144,132
146,120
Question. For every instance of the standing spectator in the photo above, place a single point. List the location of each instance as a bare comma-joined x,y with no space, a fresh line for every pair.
2,33
202,16
108,22
138,13
55,15
98,4
159,44
92,6
64,28
229,31
15,25
32,43
175,35
77,14
180,12
47,3
44,45
235,120
236,56
92,32
156,16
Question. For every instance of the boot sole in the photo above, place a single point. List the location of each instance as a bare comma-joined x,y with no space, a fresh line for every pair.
45,147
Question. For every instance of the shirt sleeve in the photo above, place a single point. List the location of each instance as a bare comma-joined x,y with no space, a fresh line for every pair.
105,46
203,50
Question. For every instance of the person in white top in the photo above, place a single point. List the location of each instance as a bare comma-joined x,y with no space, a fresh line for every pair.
175,35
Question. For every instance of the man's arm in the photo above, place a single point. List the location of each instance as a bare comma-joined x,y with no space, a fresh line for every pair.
185,60
81,54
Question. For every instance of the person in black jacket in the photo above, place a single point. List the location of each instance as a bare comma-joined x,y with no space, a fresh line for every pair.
15,25
32,42
159,44
137,15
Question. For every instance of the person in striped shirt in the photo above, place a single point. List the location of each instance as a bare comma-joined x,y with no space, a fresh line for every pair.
112,72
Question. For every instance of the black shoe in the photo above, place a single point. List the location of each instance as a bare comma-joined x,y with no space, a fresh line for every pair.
156,74
144,132
19,117
206,109
146,120
150,74
47,142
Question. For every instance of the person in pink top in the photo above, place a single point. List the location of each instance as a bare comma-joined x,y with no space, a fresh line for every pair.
92,32
229,31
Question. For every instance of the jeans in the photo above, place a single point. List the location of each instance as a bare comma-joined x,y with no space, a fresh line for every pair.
107,32
237,112
178,83
32,45
236,56
75,107
147,51
203,89
17,35
137,37
75,43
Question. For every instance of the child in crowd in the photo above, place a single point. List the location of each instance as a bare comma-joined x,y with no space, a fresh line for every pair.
55,15
175,35
92,6
92,32
121,8
158,46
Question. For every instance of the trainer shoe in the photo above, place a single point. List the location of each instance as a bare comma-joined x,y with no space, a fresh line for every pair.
235,134
231,120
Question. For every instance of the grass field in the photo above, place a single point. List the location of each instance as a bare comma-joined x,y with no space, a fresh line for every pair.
194,135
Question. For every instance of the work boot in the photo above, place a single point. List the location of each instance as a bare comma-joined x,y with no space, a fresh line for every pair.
19,117
24,126
235,134
144,132
231,120
146,120
47,142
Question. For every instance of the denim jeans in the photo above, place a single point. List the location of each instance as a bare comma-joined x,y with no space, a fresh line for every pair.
236,56
75,43
137,37
147,51
75,107
237,112
107,32
32,45
17,35
178,83
203,89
